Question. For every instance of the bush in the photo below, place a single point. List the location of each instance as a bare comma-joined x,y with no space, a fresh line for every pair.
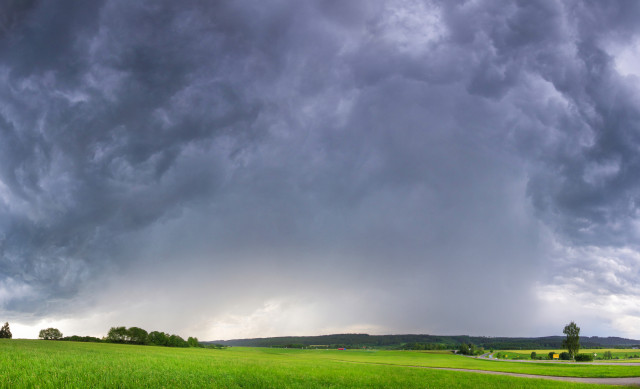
584,357
215,346
76,338
607,355
533,355
565,356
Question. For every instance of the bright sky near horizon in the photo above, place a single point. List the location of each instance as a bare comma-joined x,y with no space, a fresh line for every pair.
248,168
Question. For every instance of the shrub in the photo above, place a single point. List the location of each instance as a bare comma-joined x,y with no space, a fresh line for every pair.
533,355
76,338
565,356
215,346
584,357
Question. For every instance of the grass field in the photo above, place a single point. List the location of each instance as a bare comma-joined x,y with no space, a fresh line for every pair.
51,364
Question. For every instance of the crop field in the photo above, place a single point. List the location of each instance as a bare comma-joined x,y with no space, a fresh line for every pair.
54,364
623,355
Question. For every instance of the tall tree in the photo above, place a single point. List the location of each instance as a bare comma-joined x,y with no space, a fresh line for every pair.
5,332
137,335
572,341
118,335
158,338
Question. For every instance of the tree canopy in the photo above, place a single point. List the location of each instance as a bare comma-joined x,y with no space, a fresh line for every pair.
5,332
136,335
118,335
572,341
50,334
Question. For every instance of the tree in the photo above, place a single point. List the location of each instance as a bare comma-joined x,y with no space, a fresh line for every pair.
5,332
137,335
534,355
463,349
50,334
193,342
118,335
158,338
572,341
176,341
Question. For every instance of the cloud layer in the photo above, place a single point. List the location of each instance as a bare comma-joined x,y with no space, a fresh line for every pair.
304,167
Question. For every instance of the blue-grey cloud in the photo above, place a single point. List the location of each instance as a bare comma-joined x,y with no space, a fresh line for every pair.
427,148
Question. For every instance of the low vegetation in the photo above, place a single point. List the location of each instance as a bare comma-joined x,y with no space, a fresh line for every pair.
584,357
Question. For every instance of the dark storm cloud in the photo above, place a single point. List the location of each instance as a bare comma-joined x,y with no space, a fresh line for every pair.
413,145
98,105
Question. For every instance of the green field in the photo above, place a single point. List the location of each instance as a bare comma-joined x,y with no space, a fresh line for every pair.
53,364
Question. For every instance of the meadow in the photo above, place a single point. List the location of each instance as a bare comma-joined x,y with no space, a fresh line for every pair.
54,364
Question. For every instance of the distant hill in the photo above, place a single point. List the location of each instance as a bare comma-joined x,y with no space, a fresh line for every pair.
434,341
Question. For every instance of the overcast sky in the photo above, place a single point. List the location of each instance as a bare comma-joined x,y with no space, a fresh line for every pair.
227,169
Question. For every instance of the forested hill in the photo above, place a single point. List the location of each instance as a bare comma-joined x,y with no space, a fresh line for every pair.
425,341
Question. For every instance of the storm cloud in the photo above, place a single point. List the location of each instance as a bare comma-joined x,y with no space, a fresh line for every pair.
242,168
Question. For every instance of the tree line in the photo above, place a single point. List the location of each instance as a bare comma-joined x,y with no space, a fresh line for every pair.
131,335
136,335
446,342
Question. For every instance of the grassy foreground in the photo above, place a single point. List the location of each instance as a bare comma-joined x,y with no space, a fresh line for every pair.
51,364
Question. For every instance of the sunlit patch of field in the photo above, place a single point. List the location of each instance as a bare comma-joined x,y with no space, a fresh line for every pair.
54,364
